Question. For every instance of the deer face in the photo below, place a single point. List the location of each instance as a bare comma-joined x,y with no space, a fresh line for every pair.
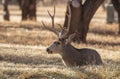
56,46
59,45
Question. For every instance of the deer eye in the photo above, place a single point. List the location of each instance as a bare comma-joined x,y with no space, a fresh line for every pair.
58,43
61,39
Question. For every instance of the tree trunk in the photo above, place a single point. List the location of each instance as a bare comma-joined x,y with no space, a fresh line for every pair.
25,9
32,10
116,4
81,17
20,4
89,9
28,8
119,23
75,17
6,11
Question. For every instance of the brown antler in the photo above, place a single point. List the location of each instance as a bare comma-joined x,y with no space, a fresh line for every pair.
69,16
52,17
53,25
65,31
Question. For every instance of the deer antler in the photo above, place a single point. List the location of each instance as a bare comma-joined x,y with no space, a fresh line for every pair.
69,16
53,25
52,16
65,31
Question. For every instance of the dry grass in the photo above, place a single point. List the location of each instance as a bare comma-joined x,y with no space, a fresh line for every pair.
28,59
32,62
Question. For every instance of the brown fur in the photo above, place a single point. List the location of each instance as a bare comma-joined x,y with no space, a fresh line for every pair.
76,57
79,57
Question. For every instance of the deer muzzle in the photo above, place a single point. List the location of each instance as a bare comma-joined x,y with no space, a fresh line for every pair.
49,51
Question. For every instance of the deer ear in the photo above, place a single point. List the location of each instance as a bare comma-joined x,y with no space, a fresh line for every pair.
70,38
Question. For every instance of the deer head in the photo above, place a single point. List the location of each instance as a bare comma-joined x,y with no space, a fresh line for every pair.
63,38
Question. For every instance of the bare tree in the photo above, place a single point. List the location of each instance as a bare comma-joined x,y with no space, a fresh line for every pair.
116,4
6,11
82,14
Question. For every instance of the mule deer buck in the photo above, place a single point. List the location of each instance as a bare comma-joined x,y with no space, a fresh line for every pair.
71,55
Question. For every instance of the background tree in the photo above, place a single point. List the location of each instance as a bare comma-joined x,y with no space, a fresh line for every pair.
82,13
28,8
6,11
116,4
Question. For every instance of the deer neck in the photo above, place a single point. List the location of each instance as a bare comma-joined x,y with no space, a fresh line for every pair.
69,54
68,50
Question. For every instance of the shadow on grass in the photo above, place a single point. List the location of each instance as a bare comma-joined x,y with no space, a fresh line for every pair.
25,26
91,75
94,42
101,73
34,60
103,32
113,62
47,75
40,74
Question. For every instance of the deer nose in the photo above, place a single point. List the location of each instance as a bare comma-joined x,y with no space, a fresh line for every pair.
49,51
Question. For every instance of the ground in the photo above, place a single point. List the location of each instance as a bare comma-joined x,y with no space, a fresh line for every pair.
23,55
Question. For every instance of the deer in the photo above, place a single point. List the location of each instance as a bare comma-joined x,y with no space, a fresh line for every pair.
70,55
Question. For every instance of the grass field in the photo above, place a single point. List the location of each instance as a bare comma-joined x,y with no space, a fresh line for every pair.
23,55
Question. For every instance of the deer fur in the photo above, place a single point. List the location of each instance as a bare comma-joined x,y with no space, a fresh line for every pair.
73,56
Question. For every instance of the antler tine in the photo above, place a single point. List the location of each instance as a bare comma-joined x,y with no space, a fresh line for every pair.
53,14
50,29
69,16
65,31
60,26
54,10
52,17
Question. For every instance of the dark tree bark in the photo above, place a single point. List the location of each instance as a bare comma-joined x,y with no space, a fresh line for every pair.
75,17
28,8
76,12
81,17
25,9
20,4
32,10
116,4
89,9
6,11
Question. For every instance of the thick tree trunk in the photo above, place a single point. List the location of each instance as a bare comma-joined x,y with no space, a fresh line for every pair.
25,9
28,8
81,17
119,23
116,4
20,4
75,17
32,10
89,9
6,11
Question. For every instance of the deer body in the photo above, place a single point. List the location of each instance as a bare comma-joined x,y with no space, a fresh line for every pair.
78,57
